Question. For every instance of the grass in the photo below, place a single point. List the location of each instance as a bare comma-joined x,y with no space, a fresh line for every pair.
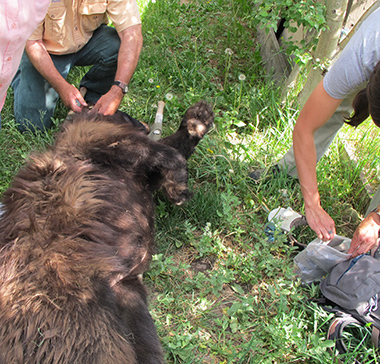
220,292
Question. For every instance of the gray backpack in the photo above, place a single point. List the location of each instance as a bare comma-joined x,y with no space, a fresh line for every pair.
352,291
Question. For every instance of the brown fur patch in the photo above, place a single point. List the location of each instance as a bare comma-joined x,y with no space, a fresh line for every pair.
77,233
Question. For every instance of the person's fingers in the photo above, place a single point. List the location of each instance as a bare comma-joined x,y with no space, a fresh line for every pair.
80,101
325,234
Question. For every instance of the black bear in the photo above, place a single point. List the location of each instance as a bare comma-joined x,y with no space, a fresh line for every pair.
76,234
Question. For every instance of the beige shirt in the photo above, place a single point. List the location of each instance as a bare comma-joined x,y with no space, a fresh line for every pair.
69,24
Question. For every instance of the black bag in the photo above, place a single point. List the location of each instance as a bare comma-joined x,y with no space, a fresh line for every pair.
352,289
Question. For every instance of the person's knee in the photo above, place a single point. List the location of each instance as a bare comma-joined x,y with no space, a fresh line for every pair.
113,39
109,58
108,43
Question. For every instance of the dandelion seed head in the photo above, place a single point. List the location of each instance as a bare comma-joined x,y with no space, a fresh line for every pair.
169,96
151,80
229,51
284,193
242,77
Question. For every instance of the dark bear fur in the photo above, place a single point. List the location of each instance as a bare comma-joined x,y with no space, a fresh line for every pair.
76,234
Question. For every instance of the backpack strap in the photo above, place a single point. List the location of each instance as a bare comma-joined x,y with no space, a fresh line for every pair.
335,333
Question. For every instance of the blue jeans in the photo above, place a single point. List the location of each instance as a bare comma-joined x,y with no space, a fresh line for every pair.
34,98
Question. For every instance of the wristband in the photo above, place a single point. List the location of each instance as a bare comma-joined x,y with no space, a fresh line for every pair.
122,85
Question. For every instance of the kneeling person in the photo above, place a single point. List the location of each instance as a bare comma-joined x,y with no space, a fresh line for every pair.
75,33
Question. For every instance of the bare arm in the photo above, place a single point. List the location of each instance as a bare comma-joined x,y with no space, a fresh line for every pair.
41,60
317,111
129,53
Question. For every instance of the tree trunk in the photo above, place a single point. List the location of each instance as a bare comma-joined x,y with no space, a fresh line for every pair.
327,45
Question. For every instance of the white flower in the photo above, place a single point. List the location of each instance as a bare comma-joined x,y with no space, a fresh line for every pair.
153,1
242,77
169,96
151,80
229,51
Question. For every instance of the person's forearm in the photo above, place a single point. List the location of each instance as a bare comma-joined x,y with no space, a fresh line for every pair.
317,110
43,63
305,156
129,53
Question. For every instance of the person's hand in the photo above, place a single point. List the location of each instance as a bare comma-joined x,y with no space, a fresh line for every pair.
366,235
71,97
321,222
109,102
